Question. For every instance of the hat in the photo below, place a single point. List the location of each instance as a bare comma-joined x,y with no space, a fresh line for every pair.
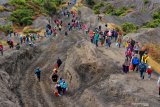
38,67
149,66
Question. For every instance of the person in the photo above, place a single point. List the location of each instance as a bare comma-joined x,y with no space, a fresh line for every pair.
59,62
145,58
136,48
135,62
1,49
149,71
64,87
141,53
142,69
128,54
54,77
96,39
158,83
126,65
38,73
108,41
58,90
17,46
119,41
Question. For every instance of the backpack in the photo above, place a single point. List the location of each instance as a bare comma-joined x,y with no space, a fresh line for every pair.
135,61
54,77
142,67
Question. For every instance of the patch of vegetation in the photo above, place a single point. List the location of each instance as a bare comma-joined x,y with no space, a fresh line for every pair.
146,1
122,11
90,2
2,8
119,12
109,8
26,31
155,23
25,10
129,27
22,17
97,7
6,28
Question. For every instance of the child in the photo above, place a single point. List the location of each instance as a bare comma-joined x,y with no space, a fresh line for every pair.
149,71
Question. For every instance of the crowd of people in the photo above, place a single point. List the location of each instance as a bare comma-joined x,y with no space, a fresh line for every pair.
135,57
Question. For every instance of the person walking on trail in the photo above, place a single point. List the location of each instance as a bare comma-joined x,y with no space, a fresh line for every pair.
108,41
141,53
1,49
96,39
126,66
142,69
54,77
21,39
135,62
38,73
64,87
119,41
136,48
58,89
158,83
145,58
59,62
149,71
128,54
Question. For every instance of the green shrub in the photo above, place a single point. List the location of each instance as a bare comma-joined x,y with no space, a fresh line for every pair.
120,11
129,27
156,15
96,11
22,17
98,6
153,24
109,8
6,28
146,1
90,2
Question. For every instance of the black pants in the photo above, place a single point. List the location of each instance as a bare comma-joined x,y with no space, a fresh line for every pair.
135,66
38,77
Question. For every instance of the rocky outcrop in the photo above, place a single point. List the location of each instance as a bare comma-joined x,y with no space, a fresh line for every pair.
12,68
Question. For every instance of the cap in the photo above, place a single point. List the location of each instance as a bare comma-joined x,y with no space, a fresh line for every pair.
149,66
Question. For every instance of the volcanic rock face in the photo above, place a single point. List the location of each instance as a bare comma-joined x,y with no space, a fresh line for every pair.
12,69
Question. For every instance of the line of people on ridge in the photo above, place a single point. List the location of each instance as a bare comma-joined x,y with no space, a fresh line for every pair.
61,86
136,59
97,35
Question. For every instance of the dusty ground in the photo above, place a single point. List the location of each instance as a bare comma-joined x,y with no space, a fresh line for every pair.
93,74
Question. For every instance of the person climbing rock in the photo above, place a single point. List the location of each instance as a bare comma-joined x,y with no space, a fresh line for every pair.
18,46
142,69
58,89
54,77
149,71
158,83
64,87
128,54
135,62
119,41
1,49
59,62
126,65
38,73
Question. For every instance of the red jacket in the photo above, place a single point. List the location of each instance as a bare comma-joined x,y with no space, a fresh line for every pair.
1,47
149,71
